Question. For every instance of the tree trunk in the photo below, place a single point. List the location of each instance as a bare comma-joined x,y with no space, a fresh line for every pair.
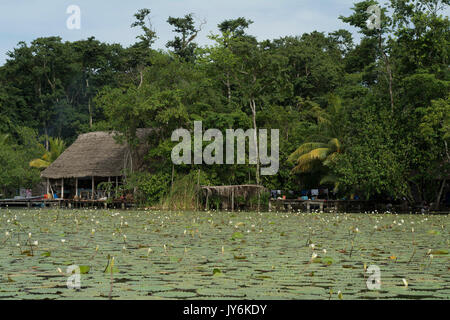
389,72
438,199
46,137
228,88
253,107
141,75
90,114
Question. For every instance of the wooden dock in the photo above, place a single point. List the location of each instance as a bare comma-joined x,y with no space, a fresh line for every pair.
64,203
323,205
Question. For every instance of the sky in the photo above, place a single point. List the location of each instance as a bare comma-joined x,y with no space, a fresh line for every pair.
109,21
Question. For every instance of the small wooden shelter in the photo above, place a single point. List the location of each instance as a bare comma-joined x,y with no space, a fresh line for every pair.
93,158
227,195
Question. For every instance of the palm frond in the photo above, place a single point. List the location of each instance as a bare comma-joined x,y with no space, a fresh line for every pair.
39,163
335,144
330,159
304,149
304,167
4,138
328,179
306,159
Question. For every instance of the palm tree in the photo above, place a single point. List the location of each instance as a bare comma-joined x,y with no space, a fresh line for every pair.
4,138
57,147
323,148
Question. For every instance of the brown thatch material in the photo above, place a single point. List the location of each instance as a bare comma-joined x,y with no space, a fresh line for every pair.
96,154
244,190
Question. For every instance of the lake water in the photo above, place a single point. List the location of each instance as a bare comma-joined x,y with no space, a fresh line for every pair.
222,255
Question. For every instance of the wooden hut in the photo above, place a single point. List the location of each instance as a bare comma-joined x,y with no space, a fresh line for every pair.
93,158
227,195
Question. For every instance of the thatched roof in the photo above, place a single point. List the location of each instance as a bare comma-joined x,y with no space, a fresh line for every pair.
239,190
95,154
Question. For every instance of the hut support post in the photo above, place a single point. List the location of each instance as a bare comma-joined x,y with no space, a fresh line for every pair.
232,200
109,187
93,188
48,186
62,188
76,187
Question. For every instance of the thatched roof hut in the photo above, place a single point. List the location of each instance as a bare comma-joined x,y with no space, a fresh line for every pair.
95,154
227,194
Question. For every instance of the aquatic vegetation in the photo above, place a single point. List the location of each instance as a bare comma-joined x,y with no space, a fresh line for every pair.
209,255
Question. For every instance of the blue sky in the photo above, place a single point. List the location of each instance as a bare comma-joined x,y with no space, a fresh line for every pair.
109,21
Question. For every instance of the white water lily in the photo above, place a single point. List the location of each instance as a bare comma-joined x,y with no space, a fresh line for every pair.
314,255
7,233
405,282
63,240
29,235
312,245
324,251
35,243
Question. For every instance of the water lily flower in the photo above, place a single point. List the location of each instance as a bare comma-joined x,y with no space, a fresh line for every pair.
312,245
35,243
29,234
7,233
405,282
63,240
314,255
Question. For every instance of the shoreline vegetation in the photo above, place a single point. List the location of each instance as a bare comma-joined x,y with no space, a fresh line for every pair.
365,119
